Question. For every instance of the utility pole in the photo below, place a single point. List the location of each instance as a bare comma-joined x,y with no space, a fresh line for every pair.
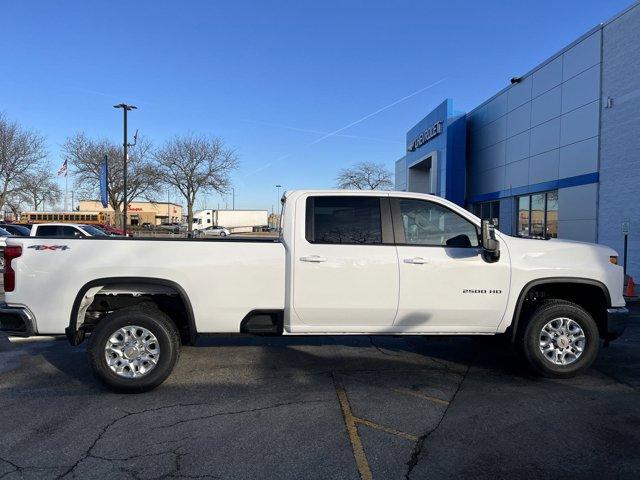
278,197
125,108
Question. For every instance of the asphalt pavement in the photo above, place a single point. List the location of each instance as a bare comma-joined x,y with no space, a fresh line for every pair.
322,407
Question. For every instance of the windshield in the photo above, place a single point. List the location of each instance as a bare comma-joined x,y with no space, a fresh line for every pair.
21,230
4,233
93,231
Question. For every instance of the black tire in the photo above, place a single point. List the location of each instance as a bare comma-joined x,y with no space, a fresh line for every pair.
144,315
222,234
530,339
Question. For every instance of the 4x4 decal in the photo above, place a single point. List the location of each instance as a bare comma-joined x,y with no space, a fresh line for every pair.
49,247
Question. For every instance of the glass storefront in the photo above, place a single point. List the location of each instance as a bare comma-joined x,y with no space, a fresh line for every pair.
537,215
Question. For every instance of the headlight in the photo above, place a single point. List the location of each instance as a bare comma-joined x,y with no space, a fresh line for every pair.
613,259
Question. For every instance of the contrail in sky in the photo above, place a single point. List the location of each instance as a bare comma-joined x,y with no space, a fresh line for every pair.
380,110
355,122
319,132
342,129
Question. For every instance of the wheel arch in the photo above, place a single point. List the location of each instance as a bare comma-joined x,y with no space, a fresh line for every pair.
75,336
551,282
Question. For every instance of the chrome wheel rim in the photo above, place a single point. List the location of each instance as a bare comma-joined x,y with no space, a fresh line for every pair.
562,341
132,351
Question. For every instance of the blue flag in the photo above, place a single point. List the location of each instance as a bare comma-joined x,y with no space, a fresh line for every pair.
104,183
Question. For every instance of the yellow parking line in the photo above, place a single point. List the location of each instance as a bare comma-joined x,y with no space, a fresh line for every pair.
392,431
352,430
413,393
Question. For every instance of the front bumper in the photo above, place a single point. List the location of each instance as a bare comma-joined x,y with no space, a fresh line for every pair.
617,321
17,321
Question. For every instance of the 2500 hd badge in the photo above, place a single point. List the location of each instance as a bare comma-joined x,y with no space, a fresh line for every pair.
482,290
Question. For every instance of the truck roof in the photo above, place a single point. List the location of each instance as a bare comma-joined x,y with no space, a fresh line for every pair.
376,193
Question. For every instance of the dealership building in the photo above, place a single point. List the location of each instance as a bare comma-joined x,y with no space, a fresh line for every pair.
554,154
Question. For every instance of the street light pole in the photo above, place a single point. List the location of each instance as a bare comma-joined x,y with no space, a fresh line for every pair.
125,108
278,199
233,198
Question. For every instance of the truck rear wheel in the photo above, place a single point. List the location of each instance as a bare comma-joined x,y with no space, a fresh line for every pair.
560,340
134,350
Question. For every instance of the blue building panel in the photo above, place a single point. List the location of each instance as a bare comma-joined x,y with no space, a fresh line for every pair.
434,161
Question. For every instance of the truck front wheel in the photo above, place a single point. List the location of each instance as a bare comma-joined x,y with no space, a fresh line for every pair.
560,340
134,350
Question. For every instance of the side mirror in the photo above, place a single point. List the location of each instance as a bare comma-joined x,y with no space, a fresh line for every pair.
490,245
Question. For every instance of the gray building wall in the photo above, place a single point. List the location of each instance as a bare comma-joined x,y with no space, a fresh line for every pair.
620,138
540,131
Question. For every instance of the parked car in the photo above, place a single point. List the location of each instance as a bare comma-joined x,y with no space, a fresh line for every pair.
65,230
368,263
17,229
109,230
169,227
212,231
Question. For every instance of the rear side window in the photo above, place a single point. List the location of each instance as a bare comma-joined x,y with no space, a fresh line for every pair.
47,231
350,220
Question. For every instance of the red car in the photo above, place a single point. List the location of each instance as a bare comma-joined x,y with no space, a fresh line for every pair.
109,230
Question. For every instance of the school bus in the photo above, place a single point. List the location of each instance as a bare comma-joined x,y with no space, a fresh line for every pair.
69,217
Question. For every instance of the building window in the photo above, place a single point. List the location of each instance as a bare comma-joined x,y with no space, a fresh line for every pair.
488,211
538,215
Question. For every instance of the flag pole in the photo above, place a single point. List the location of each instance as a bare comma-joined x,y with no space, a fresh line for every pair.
66,189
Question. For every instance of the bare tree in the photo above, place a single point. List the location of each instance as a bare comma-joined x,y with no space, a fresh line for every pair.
37,188
21,151
86,155
365,176
195,165
15,203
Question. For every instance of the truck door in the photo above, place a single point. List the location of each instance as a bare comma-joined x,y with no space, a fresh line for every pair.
345,276
445,283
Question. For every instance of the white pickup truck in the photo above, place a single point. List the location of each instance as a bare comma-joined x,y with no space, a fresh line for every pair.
372,263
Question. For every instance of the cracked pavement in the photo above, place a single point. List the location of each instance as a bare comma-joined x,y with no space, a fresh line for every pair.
322,407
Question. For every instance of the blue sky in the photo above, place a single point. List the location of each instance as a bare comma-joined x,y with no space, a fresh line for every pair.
271,77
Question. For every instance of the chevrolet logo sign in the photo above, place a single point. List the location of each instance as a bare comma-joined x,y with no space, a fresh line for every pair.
424,137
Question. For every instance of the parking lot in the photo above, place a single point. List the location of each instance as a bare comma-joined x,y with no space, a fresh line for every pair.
322,407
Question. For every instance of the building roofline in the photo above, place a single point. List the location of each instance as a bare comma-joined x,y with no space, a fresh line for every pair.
132,201
233,210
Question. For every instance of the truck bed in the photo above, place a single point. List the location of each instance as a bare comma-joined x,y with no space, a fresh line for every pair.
242,274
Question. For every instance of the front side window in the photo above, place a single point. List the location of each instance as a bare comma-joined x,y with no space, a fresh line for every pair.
427,223
342,219
68,231
93,231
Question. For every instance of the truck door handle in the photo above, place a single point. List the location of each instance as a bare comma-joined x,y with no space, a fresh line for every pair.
415,260
313,259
